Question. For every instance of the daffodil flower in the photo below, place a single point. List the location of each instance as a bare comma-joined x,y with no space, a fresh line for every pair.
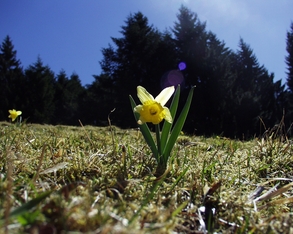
153,110
14,114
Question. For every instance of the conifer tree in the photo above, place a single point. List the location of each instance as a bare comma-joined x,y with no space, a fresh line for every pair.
76,99
99,101
67,99
191,43
289,63
60,97
253,91
288,109
11,79
137,58
215,86
208,67
40,83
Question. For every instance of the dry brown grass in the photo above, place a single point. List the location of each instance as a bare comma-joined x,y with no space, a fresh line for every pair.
59,179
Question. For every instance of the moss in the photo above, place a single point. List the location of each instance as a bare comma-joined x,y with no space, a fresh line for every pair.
103,185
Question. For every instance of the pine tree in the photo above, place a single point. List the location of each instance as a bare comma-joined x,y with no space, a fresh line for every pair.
254,93
138,58
67,99
208,67
99,101
40,83
288,109
215,86
289,58
11,79
191,43
76,99
289,62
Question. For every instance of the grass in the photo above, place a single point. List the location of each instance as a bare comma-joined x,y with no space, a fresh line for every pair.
60,179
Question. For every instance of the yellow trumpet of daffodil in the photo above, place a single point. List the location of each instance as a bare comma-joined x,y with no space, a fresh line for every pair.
14,114
153,110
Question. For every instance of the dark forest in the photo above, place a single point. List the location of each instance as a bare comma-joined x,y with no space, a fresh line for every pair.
235,96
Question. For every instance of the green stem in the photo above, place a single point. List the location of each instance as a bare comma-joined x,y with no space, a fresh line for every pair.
158,136
145,132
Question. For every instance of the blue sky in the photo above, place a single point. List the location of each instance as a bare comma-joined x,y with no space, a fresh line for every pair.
69,34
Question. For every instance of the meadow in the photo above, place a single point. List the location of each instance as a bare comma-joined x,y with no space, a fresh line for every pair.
63,179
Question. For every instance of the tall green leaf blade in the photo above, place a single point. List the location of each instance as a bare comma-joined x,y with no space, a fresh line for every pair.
167,126
178,126
29,205
145,131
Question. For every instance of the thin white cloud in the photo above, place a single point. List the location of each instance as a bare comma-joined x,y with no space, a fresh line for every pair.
223,12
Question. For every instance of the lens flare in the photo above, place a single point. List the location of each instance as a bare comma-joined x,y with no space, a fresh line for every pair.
172,78
182,66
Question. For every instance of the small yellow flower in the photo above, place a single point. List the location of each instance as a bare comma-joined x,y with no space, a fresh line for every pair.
153,109
14,114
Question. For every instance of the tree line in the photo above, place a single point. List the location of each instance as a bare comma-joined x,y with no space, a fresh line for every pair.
235,96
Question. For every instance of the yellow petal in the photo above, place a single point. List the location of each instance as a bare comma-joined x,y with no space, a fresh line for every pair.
168,116
165,95
143,95
18,112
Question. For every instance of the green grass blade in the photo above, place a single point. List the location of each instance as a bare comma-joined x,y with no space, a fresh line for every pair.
179,209
29,205
178,126
179,178
158,136
167,126
145,131
153,190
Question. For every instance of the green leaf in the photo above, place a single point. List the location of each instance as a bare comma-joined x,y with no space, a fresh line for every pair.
179,209
167,126
145,131
179,178
158,136
29,217
153,190
178,126
29,205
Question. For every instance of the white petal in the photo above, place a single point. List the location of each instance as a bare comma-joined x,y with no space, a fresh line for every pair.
140,122
165,95
137,108
168,116
143,95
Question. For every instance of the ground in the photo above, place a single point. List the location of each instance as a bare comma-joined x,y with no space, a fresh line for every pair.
57,179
